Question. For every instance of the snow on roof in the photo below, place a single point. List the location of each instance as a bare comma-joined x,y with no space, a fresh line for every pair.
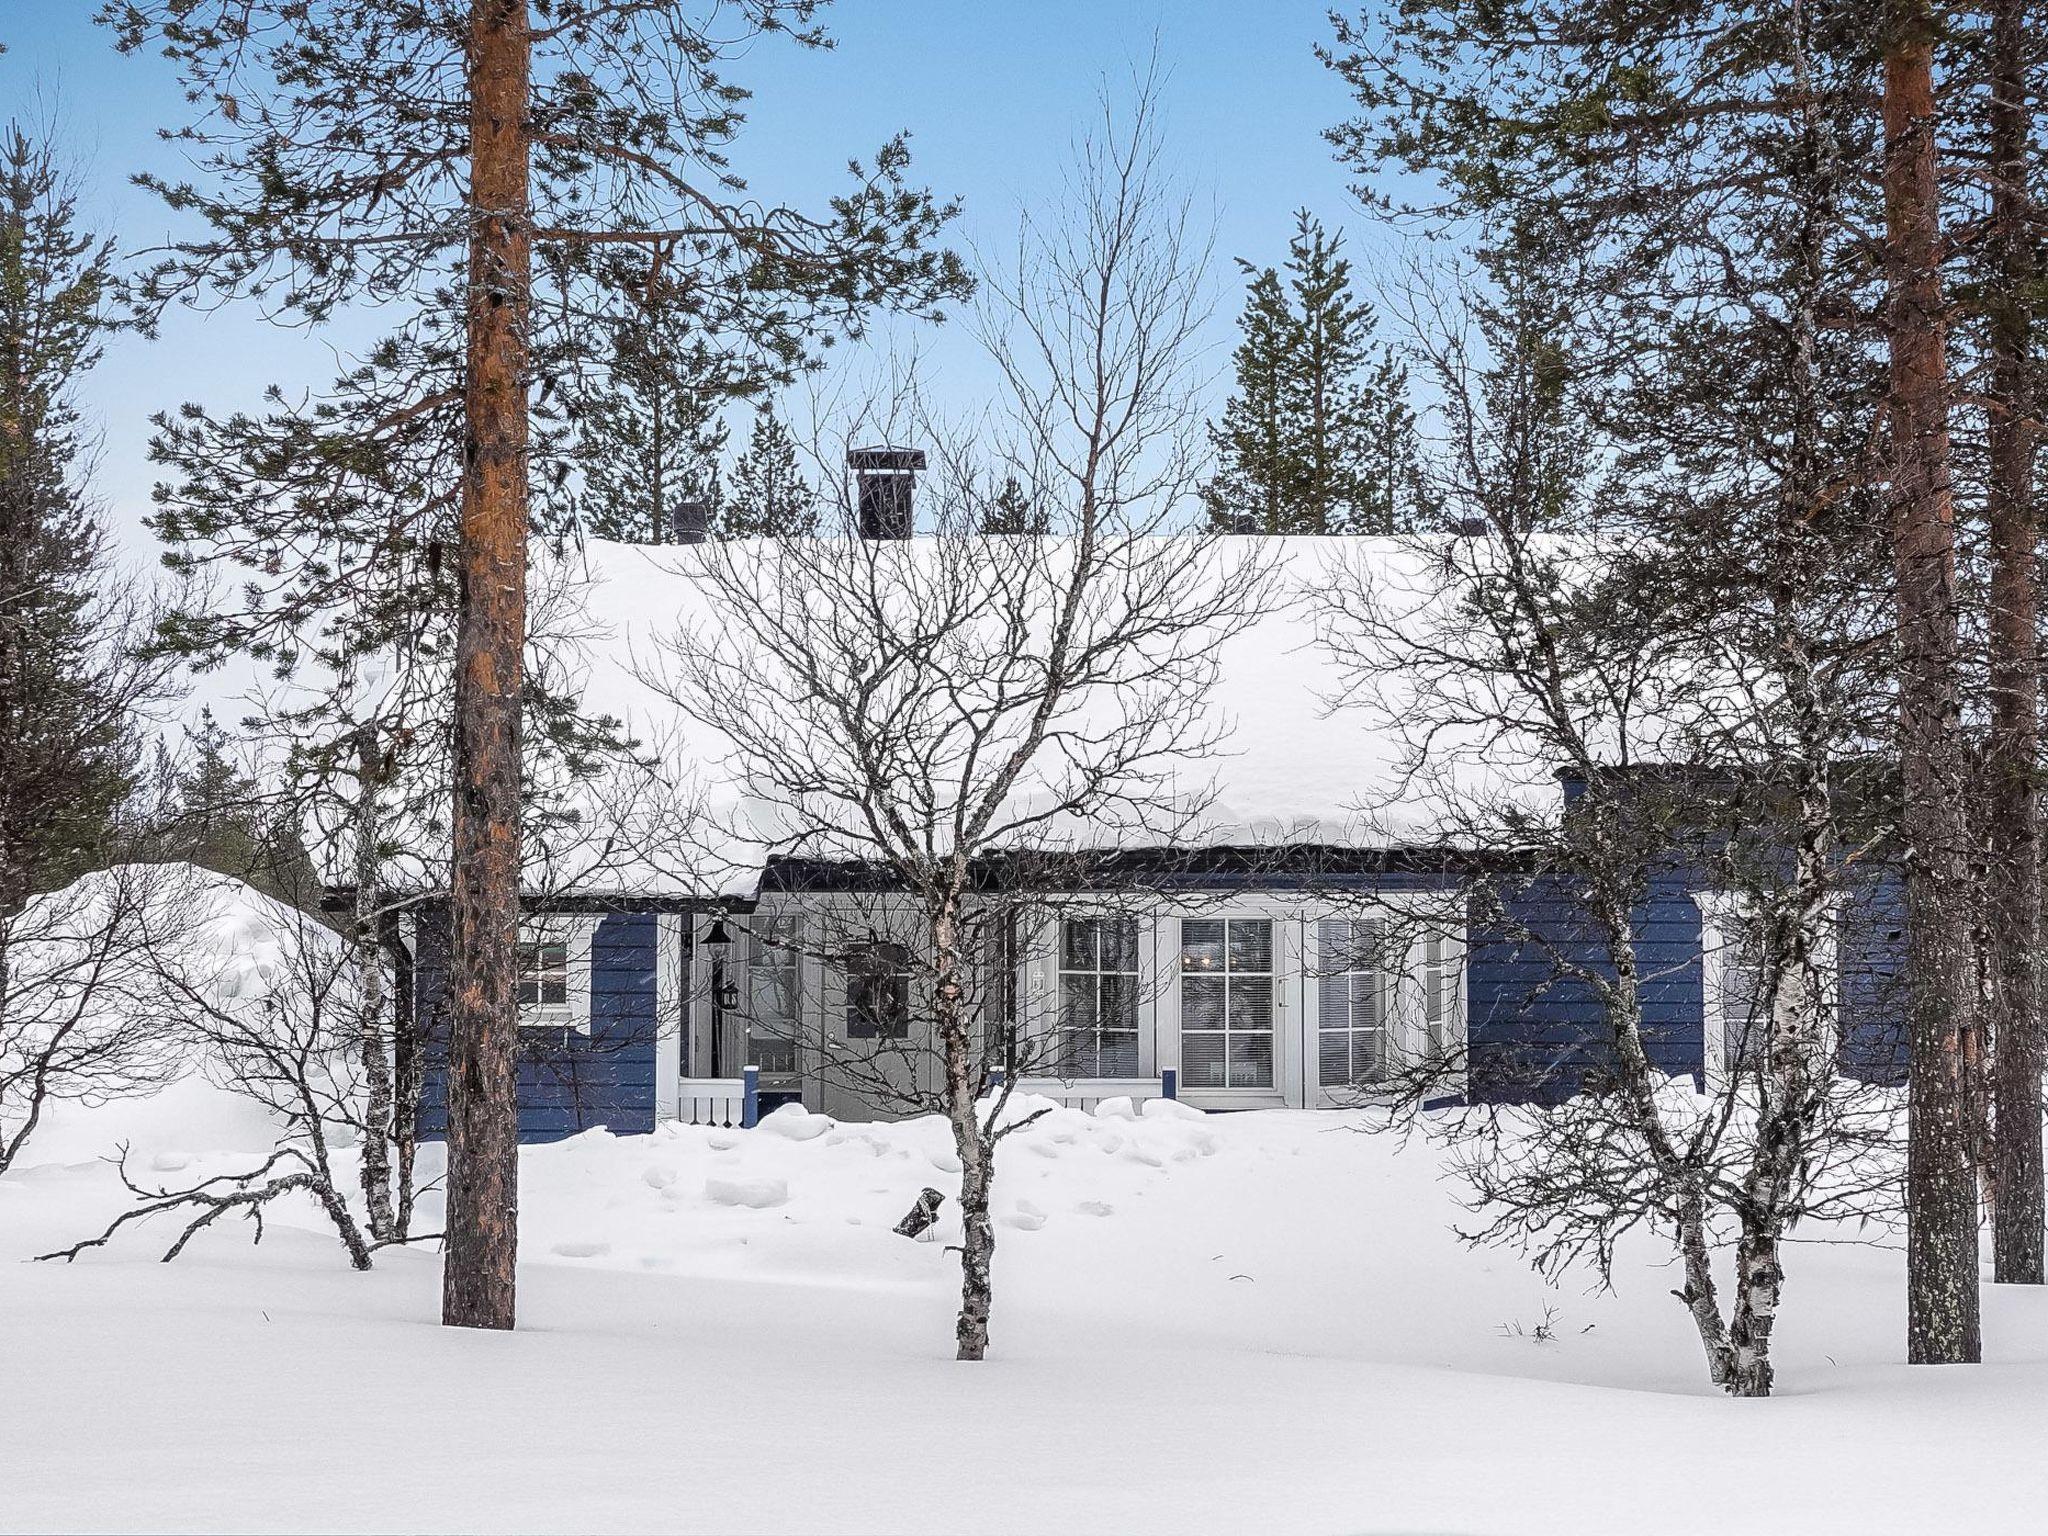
1290,768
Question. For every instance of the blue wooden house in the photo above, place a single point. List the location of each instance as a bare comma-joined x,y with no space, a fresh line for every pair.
1294,959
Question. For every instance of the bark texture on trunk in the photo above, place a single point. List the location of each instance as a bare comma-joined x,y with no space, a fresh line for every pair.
975,1151
374,1032
2012,892
1941,1199
483,1141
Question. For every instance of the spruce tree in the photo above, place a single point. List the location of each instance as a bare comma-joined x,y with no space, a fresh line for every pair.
221,818
1013,511
769,499
1318,436
1258,482
68,686
651,438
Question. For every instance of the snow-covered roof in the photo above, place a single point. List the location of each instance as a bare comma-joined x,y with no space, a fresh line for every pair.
1290,767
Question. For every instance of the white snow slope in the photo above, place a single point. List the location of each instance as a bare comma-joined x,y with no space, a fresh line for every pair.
1247,1323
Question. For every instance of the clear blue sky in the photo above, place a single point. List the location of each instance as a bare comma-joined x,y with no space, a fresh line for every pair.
992,94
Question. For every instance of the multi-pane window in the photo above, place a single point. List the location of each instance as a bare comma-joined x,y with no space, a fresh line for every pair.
543,979
1226,1002
1098,1028
1351,1007
878,993
1440,974
774,976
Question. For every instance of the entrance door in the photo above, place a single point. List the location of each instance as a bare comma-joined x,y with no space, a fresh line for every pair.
873,1050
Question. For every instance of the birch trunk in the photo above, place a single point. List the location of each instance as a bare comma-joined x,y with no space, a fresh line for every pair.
373,1020
1637,1079
1941,1202
405,1085
483,1142
976,1152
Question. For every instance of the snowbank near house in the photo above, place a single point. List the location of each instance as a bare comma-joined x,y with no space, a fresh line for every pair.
1222,1323
96,961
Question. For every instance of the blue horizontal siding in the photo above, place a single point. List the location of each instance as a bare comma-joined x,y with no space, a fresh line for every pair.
567,1082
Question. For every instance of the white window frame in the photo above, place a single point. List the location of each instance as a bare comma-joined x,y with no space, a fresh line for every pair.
1721,915
1282,978
574,931
1136,975
1320,969
1414,986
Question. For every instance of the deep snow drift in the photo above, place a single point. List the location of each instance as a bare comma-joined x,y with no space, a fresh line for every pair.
1202,1324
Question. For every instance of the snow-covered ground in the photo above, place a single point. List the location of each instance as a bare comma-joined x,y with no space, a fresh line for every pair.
1257,1322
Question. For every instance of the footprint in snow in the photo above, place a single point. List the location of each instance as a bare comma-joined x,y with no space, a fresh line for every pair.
1025,1217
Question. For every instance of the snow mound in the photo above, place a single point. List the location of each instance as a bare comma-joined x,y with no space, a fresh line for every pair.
796,1123
755,1194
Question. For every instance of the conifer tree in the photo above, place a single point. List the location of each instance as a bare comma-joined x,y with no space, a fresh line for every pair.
220,817
652,437
69,687
769,499
436,156
1258,483
1318,437
1013,511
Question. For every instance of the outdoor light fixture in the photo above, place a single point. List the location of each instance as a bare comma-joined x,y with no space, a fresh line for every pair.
725,993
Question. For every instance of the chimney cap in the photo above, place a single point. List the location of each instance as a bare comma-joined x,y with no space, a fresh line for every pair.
885,460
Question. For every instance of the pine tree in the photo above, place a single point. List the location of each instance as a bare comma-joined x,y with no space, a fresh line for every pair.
68,689
769,499
1318,437
438,158
652,439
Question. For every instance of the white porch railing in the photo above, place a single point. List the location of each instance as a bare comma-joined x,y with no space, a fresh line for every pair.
733,1101
1086,1092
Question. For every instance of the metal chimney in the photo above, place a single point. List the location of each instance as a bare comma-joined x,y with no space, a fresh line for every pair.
692,520
885,479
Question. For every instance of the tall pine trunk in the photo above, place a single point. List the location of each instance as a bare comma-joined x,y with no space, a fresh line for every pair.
483,1139
2013,884
1941,1202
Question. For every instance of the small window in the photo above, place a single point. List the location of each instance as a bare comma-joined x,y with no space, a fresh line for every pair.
543,980
1098,1027
1745,1012
1739,984
1351,1007
878,993
1226,1002
774,975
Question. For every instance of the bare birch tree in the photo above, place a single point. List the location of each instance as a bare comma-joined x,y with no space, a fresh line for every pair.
915,708
260,999
1694,640
76,981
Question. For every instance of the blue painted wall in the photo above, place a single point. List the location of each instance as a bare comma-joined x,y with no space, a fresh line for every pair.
1533,1032
567,1082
